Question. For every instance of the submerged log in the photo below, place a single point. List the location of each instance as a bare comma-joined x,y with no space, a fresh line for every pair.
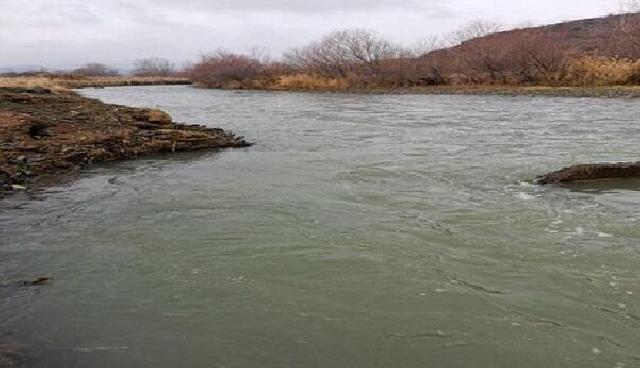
591,172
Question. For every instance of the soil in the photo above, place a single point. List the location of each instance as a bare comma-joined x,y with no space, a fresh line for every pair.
45,135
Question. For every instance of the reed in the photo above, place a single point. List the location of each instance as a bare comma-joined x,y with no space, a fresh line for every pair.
311,82
601,71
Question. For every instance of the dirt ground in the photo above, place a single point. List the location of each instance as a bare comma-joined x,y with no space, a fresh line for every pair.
45,134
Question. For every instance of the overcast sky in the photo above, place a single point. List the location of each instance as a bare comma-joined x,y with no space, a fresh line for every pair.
66,33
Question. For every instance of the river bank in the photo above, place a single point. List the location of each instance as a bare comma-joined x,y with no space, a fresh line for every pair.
314,85
478,90
45,134
598,92
63,82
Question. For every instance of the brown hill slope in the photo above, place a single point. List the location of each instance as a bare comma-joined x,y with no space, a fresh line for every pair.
553,54
601,52
615,35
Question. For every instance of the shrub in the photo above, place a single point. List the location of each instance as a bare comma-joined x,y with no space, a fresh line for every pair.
224,70
96,70
153,67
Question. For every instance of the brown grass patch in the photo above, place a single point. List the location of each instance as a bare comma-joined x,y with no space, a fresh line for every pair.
73,81
309,82
602,71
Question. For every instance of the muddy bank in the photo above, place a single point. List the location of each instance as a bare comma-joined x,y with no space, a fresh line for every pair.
45,134
583,172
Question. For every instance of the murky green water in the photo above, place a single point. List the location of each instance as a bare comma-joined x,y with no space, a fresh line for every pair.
360,231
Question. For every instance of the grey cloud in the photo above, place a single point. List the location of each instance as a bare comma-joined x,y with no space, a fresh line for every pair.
309,7
66,33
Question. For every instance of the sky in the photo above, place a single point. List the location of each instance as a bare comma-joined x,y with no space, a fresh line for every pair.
67,33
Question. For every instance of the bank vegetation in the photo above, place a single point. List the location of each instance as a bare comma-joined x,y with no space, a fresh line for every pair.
148,71
592,53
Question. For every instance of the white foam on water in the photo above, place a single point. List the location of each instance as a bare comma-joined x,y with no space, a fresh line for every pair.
526,184
604,235
524,196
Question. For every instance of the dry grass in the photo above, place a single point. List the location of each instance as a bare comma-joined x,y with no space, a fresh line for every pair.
308,82
602,71
29,82
69,82
286,82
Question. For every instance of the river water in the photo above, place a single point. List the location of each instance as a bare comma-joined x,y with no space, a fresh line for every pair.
359,231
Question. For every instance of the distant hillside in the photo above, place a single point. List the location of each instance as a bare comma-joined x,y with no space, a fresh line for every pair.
584,53
598,36
552,54
594,36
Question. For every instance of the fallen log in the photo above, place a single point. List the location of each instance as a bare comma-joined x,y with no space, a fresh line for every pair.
583,172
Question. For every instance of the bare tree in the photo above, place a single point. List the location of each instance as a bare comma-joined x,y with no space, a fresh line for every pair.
343,52
96,69
223,69
537,57
425,45
153,67
474,29
521,56
628,6
477,57
261,54
626,42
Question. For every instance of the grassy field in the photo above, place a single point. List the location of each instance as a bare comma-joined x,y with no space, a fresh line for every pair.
70,82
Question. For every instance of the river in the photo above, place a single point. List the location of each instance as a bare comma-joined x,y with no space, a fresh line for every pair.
359,231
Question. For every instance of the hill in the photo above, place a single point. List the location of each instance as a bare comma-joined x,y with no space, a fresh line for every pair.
601,52
589,51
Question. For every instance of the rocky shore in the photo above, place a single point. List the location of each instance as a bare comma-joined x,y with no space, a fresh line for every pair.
45,134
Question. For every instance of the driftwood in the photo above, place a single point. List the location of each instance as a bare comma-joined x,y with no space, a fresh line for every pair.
591,172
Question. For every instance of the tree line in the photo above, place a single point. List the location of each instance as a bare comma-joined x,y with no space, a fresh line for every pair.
604,51
480,53
148,67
